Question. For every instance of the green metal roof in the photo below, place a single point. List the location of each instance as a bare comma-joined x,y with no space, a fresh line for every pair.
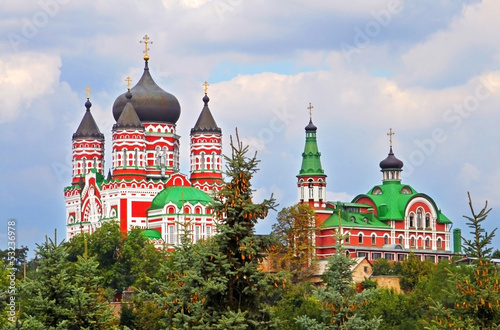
179,196
151,234
353,219
311,157
391,202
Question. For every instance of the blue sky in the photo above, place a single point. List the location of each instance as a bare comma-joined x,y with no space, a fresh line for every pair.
430,70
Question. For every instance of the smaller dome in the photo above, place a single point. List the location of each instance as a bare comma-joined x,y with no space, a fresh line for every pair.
391,162
180,195
151,234
311,126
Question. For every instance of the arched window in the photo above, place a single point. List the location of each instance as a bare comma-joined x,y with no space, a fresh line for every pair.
214,163
386,239
427,243
202,160
412,220
311,189
427,220
412,241
439,243
374,239
419,218
136,157
84,170
125,157
360,238
401,239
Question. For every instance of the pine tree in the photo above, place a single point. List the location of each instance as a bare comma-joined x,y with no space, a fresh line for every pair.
478,246
240,250
342,305
216,283
88,302
475,300
46,296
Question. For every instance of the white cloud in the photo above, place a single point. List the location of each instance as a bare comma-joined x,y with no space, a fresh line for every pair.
469,174
333,196
24,78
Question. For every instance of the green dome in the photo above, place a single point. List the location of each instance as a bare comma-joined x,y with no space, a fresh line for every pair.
178,196
151,234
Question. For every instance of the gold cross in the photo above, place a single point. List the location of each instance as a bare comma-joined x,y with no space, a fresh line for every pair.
128,80
390,134
205,85
146,42
87,89
310,107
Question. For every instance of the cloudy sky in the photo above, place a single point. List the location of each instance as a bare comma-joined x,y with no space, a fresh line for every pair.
430,70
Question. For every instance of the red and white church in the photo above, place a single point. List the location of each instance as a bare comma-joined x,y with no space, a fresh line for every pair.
144,187
390,221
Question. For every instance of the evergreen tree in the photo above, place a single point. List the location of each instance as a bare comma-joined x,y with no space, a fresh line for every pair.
217,283
90,308
475,298
46,296
478,246
239,249
342,305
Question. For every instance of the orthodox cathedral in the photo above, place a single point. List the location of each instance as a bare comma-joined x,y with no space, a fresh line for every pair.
389,221
144,187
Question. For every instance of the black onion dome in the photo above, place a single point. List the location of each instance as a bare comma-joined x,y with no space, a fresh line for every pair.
206,122
311,126
391,162
88,127
128,118
151,102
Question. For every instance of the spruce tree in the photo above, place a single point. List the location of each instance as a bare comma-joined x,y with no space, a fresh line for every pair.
240,250
475,298
217,284
45,298
342,305
88,302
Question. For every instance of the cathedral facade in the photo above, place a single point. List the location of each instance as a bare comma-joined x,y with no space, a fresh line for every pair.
144,186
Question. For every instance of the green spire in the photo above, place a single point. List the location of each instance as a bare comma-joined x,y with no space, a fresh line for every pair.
311,157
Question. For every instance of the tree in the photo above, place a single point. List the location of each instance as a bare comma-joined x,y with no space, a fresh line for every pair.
413,269
474,298
217,283
46,296
15,259
478,246
88,302
343,307
63,295
294,234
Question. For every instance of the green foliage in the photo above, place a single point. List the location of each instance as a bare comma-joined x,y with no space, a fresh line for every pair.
62,295
412,270
217,283
293,235
478,246
46,296
15,259
383,267
474,295
343,307
296,301
123,260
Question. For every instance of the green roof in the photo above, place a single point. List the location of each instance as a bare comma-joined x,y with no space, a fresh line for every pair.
392,197
311,157
180,195
353,219
151,234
